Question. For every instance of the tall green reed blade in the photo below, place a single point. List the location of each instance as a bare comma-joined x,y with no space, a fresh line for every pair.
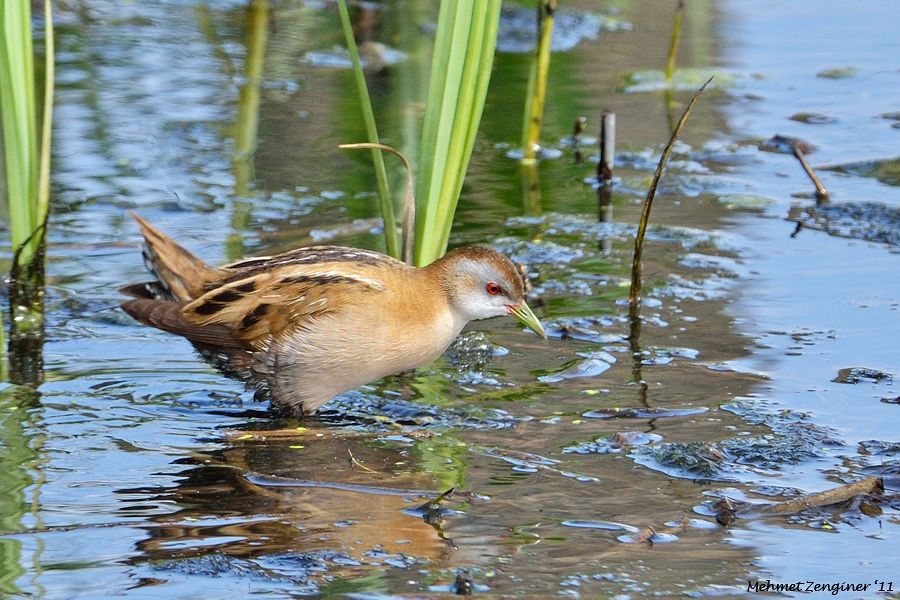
674,41
43,185
460,72
19,120
27,157
384,192
27,166
537,81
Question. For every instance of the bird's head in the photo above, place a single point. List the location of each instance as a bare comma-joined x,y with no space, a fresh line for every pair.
483,283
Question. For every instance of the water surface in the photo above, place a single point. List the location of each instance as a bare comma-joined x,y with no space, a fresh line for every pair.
137,470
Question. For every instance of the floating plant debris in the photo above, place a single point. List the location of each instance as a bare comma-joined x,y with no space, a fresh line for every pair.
647,159
709,262
613,444
859,374
652,537
580,328
383,414
812,118
871,221
588,228
879,447
642,413
300,569
536,253
374,56
471,351
689,460
868,492
745,201
792,440
783,144
713,287
526,462
837,73
664,356
684,80
886,171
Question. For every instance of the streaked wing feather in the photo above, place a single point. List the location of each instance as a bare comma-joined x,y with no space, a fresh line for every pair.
167,315
264,305
310,256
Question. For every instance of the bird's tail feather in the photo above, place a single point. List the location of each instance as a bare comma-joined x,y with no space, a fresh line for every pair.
181,273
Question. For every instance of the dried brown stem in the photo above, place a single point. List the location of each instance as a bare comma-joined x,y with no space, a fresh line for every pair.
409,201
637,265
869,485
821,192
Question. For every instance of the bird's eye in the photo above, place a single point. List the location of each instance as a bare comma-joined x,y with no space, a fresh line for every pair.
492,288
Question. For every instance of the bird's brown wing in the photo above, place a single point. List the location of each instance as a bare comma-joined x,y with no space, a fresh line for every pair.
167,315
267,304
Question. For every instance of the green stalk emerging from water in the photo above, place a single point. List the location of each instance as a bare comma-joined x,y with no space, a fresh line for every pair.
384,191
537,81
460,71
27,158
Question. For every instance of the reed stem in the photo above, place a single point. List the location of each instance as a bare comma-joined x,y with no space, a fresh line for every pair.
409,201
607,147
460,72
821,190
43,186
634,294
537,80
674,41
381,179
17,99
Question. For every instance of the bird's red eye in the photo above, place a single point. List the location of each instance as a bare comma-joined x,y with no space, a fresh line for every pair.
492,288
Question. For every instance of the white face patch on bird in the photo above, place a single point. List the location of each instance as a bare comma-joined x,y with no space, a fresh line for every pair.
487,284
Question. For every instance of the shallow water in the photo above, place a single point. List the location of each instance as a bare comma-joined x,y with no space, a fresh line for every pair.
139,471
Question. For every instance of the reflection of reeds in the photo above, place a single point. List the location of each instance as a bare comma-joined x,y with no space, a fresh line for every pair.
674,42
537,80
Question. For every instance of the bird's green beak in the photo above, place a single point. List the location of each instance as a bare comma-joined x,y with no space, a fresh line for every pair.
524,314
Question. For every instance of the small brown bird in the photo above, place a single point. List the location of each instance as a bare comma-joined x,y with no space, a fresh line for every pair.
315,322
